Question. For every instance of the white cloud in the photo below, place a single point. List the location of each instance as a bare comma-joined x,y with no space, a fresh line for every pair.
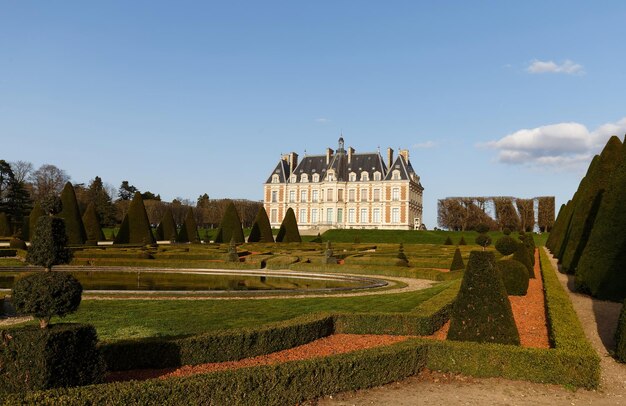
426,144
568,67
322,120
564,145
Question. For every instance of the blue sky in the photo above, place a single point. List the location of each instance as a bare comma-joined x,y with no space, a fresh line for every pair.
182,98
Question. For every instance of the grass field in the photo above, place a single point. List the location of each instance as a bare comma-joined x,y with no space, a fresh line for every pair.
121,319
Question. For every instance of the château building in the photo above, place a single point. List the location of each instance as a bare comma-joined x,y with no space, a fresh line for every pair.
345,189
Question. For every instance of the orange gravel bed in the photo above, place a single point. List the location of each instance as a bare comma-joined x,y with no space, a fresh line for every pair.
331,345
528,311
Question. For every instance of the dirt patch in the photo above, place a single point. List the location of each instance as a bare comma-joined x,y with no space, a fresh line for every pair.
332,345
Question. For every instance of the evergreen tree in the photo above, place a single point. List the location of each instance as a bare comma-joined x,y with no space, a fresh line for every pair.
230,227
482,311
5,226
97,193
92,224
138,223
584,213
457,261
74,227
189,230
261,228
166,229
288,231
18,203
33,217
48,245
602,265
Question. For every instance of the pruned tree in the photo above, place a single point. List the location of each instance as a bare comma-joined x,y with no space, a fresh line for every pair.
48,180
545,213
526,211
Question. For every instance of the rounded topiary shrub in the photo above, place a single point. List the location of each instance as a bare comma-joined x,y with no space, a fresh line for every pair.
515,276
483,240
47,294
482,311
522,255
506,245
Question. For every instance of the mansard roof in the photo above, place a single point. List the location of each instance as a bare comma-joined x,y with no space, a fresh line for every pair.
311,165
282,170
368,162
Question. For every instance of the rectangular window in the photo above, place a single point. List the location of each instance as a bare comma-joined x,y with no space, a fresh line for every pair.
377,195
364,195
395,194
364,218
376,215
395,215
302,218
274,196
314,196
292,196
340,195
313,216
351,195
351,215
330,214
329,195
339,216
303,196
274,216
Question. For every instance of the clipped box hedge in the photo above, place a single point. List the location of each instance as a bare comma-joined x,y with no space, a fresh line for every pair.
8,253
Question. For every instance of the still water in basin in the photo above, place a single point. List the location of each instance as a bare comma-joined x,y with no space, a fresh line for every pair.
180,281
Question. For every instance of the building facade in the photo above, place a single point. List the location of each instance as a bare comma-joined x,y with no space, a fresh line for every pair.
345,189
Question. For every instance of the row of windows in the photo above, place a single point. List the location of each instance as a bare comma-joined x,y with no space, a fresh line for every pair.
395,195
330,216
365,177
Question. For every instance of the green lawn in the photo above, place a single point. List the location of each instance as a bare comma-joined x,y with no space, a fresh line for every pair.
120,319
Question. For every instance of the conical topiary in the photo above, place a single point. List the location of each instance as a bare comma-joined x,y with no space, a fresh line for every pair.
462,241
5,227
261,229
482,311
166,229
448,241
457,261
70,212
230,227
584,213
123,234
515,276
92,225
138,223
288,231
602,265
35,213
189,230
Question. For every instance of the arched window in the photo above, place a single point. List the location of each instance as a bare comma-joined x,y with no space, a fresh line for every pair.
316,177
304,178
395,175
365,177
275,178
377,175
352,177
330,176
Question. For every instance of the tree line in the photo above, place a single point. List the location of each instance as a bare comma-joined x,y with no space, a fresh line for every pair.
22,186
468,213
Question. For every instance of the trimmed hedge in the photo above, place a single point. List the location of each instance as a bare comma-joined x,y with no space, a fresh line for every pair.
5,227
523,255
280,384
34,215
457,261
261,229
62,355
506,245
92,225
515,276
215,347
74,228
166,230
620,336
189,229
4,253
230,226
138,223
288,231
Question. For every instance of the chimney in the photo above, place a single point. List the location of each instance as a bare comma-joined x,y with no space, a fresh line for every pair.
405,154
329,154
350,152
293,161
389,157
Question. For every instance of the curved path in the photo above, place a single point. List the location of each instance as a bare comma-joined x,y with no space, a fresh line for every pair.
599,320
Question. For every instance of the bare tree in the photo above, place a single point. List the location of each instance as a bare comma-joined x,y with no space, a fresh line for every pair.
21,170
526,210
506,216
48,180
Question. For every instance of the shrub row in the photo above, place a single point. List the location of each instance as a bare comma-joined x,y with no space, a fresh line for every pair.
403,272
281,384
155,263
7,253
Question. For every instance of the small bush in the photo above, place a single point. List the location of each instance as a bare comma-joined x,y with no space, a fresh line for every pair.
17,244
47,294
506,245
448,241
457,261
515,276
64,355
48,247
482,311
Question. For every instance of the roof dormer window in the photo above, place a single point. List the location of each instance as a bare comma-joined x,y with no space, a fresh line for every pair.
304,178
365,177
395,175
275,179
377,175
316,177
352,177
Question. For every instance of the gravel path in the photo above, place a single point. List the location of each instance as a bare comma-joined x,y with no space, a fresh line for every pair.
599,320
